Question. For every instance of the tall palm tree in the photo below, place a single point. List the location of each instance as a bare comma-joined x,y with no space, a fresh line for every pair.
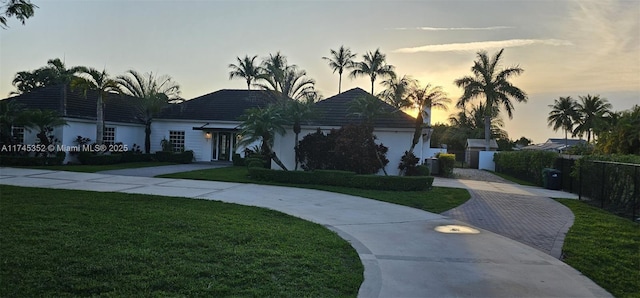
374,65
339,61
493,85
563,114
92,79
424,99
261,125
297,85
153,93
54,73
591,113
21,9
396,91
246,69
273,71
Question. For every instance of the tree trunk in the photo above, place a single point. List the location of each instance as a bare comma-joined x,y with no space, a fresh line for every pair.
417,132
147,137
99,120
487,131
248,84
372,80
339,81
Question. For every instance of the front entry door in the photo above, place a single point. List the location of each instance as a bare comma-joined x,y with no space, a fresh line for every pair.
224,146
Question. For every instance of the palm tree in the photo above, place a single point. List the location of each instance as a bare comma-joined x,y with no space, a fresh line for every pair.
54,73
563,114
591,113
21,9
493,84
44,121
374,65
93,79
296,112
297,85
273,71
339,61
396,91
424,99
246,68
261,125
153,93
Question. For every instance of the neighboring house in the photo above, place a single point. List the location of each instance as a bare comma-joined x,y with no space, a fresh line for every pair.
121,125
473,148
393,128
209,124
556,145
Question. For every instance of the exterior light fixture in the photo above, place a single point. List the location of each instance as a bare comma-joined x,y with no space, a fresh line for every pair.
207,135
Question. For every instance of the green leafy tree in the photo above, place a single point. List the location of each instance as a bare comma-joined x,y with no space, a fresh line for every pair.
261,124
564,112
99,81
424,99
492,84
153,93
11,114
396,92
591,111
54,73
368,108
246,69
374,65
20,9
624,135
339,61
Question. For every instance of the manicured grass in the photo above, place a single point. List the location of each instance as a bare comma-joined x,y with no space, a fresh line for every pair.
437,200
513,179
78,243
98,168
605,248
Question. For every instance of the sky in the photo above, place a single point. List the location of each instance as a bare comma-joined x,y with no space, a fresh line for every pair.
566,48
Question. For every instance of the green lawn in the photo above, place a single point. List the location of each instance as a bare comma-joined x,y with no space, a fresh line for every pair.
437,200
605,248
98,168
78,243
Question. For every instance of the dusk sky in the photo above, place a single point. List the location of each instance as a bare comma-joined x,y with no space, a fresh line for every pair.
567,48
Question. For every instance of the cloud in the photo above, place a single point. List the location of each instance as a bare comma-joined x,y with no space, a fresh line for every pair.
456,28
482,45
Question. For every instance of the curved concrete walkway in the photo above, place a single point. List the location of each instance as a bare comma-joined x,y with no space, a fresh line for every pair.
403,254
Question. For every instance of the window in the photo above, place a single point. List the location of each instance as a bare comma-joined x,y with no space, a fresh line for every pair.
109,135
18,134
176,137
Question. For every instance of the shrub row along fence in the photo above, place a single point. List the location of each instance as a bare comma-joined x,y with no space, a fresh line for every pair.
608,181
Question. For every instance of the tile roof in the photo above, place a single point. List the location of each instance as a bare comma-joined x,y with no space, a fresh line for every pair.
222,105
480,143
334,111
118,108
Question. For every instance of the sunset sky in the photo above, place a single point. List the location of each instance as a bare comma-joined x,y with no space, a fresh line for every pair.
567,48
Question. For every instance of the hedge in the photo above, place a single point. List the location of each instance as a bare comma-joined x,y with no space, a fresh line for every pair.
342,178
446,163
8,160
526,165
130,156
181,157
89,158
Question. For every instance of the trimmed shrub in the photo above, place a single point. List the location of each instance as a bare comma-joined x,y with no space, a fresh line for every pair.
238,160
177,157
397,183
255,164
90,158
408,164
8,160
423,170
132,156
446,163
526,165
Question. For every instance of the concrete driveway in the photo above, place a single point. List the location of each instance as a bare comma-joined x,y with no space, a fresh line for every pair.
406,252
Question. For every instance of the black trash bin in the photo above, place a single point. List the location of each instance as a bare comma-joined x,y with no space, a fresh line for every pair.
552,179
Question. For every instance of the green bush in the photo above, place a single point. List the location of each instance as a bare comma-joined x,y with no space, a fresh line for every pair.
255,164
90,158
526,165
8,160
446,163
423,170
341,178
177,157
131,156
238,160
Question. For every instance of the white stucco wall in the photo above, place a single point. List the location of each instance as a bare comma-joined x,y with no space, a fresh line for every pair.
397,140
485,160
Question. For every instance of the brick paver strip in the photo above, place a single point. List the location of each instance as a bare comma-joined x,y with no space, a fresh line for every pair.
536,221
